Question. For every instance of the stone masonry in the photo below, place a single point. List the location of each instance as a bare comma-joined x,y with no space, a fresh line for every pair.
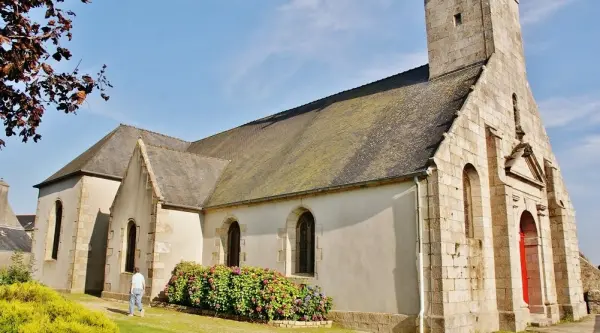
498,122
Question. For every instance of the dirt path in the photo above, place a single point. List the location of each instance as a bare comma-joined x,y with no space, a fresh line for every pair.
591,324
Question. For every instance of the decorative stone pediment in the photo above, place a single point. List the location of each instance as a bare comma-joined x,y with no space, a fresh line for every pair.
522,164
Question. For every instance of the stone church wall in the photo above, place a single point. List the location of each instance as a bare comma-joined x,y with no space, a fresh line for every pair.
86,201
178,237
96,198
365,245
56,273
135,201
472,141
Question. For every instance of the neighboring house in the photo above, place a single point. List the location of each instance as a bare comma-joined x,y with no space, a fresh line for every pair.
429,195
12,235
28,223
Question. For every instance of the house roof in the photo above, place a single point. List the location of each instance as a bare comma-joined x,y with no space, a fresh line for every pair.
27,221
184,179
386,129
12,239
109,156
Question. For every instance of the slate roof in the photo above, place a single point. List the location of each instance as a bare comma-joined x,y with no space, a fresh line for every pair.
386,129
27,221
383,130
12,239
109,156
184,179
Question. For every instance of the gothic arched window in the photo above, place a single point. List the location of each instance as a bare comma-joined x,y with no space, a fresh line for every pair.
130,251
57,226
305,249
233,245
468,203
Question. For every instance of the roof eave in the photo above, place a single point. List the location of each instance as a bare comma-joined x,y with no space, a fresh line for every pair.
77,173
370,183
194,209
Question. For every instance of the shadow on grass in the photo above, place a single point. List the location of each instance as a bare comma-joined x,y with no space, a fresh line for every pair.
118,311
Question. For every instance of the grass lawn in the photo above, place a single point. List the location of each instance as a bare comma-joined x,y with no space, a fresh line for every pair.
162,321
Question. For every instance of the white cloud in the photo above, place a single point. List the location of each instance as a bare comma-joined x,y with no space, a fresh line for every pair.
580,111
308,31
535,11
586,153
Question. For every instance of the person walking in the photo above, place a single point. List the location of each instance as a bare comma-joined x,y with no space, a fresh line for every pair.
138,285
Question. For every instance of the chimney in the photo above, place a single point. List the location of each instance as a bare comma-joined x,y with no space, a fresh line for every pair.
3,201
7,216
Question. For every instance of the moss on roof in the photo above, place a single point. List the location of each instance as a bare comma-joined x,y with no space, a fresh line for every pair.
383,130
184,179
386,129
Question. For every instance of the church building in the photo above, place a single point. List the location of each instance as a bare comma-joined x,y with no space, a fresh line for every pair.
429,200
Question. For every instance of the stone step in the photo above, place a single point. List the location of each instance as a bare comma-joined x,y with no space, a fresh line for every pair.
540,321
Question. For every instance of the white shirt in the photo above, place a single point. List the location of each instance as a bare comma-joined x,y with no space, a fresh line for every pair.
137,281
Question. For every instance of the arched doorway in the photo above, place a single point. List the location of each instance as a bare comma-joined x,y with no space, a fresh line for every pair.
530,262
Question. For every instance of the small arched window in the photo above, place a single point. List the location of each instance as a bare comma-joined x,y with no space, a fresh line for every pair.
517,117
58,209
233,245
130,251
468,203
516,114
305,249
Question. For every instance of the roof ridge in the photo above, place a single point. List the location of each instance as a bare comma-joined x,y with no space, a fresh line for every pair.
146,161
6,226
102,142
477,64
150,131
322,99
185,152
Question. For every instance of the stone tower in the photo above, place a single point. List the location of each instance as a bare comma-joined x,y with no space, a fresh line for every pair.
464,32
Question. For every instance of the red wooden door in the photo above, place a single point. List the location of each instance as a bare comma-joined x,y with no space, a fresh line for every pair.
524,267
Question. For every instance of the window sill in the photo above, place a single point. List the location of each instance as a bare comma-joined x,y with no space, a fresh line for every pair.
302,277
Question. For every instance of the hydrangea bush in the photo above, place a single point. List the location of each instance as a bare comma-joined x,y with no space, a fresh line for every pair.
250,292
312,305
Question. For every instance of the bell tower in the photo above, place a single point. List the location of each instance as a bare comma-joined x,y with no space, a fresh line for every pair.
464,32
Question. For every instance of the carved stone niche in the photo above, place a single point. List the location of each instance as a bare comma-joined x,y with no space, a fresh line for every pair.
541,209
524,166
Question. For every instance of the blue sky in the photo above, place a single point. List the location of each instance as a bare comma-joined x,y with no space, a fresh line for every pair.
199,67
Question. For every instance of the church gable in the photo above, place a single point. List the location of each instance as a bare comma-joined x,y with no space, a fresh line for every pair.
523,164
138,173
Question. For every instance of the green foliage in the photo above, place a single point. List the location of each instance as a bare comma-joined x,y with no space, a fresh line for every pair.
250,292
215,285
17,272
30,307
177,290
